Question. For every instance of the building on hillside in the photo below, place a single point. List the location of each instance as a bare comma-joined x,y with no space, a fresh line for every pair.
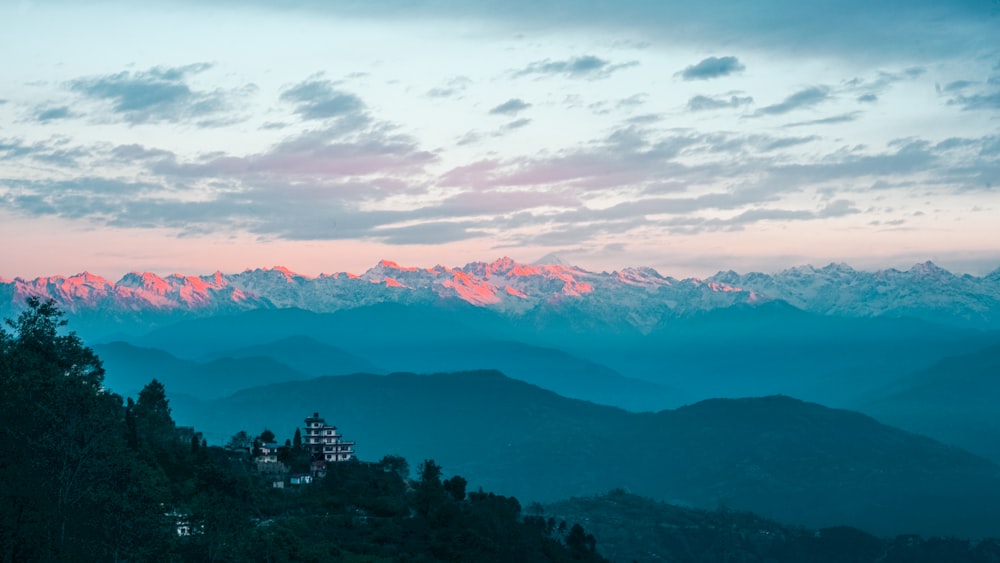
267,459
324,442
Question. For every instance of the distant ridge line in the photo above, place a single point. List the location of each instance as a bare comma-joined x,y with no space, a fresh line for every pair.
924,291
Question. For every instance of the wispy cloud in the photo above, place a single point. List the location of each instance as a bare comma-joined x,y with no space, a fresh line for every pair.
512,106
987,100
956,86
517,124
52,114
160,94
805,98
451,88
587,66
712,67
705,103
322,184
56,151
319,99
832,120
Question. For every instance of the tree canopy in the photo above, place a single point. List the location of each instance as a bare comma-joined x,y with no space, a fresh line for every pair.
87,476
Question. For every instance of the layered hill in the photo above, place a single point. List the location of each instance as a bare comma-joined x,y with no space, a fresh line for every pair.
771,348
637,298
955,401
633,528
786,459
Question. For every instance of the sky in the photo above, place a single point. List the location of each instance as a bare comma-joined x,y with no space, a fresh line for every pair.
692,137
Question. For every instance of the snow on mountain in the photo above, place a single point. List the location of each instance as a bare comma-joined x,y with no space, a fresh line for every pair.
925,291
641,297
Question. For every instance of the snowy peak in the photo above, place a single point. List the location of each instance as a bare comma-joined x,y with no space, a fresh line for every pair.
75,291
641,295
384,265
551,259
642,277
924,291
930,270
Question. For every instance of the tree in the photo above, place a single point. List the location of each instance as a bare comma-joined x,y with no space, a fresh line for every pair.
429,473
67,453
397,464
580,543
154,426
456,487
429,494
297,440
266,437
240,442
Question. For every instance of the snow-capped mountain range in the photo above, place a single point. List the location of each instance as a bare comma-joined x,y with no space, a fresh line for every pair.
640,296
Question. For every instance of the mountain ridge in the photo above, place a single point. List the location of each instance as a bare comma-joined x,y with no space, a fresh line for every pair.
784,458
640,297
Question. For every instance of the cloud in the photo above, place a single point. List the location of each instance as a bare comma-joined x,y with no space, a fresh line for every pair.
806,98
605,107
712,67
832,120
845,30
786,142
318,99
511,107
51,114
453,87
135,152
159,94
319,155
956,85
587,66
53,152
433,232
978,101
868,90
366,180
705,103
517,124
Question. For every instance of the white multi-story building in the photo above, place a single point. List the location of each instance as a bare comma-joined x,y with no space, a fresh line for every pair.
325,442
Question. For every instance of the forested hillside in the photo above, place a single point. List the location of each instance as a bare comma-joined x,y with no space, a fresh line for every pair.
632,528
86,476
784,458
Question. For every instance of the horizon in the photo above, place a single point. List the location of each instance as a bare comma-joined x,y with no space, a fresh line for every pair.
548,260
192,136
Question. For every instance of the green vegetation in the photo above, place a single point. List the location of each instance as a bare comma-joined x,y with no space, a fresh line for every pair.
86,476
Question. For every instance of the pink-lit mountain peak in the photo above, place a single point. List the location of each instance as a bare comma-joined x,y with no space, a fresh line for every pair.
514,288
510,268
83,285
285,273
390,265
642,277
289,273
82,279
145,280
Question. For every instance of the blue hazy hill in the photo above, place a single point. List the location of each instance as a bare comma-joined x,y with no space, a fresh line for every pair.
794,461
